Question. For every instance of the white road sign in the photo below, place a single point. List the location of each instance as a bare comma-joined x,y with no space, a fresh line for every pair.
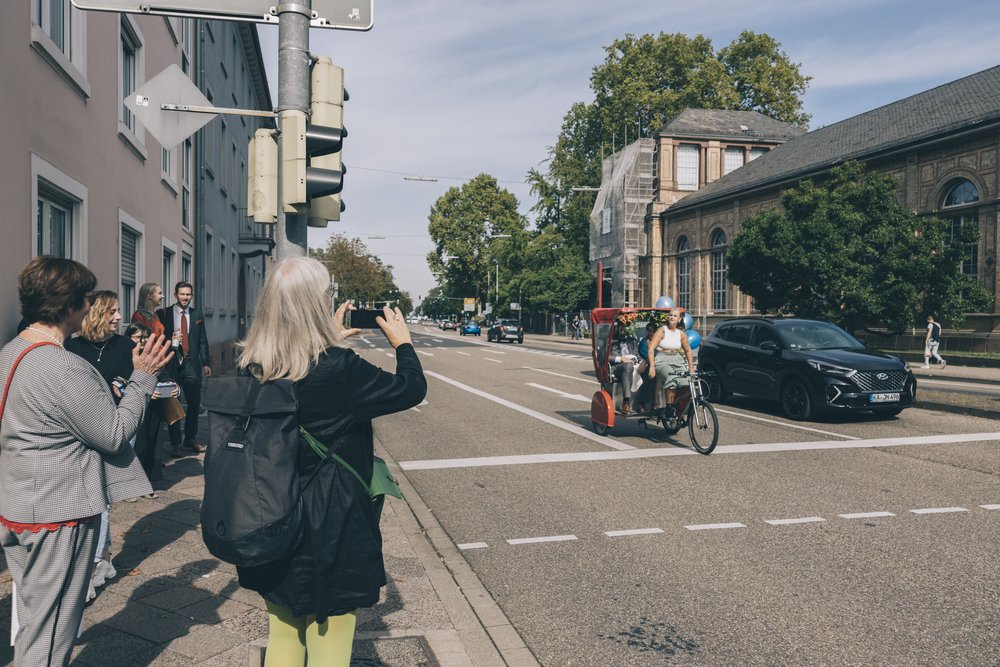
171,86
336,14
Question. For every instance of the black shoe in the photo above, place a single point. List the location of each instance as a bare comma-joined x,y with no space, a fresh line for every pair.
176,451
194,446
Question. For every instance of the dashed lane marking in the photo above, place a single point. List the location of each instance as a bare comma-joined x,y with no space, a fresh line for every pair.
634,531
633,453
549,538
464,354
715,526
390,354
495,361
562,375
426,354
472,545
558,423
574,397
865,515
990,507
789,522
939,510
437,340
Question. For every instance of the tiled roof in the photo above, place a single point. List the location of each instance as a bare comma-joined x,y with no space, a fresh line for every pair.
953,106
721,124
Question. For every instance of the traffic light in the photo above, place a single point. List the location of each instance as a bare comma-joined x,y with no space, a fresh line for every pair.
310,160
262,177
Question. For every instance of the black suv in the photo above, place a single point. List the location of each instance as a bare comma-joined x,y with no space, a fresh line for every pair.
808,365
505,330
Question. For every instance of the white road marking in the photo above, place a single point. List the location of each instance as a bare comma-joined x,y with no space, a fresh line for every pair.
788,522
569,377
865,515
472,545
437,340
558,423
464,354
491,351
415,410
634,531
550,538
633,453
426,354
990,507
496,361
714,526
972,385
391,354
785,424
939,510
575,397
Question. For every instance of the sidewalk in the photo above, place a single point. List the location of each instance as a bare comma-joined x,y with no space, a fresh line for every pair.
172,603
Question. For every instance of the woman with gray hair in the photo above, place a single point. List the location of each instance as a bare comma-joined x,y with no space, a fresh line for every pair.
312,594
64,455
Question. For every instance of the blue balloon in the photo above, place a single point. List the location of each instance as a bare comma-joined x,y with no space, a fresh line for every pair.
688,321
664,302
694,339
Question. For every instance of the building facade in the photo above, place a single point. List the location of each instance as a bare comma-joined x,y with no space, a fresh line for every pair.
942,154
81,178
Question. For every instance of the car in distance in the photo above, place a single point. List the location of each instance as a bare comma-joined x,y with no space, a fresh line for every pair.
448,325
470,328
505,330
808,366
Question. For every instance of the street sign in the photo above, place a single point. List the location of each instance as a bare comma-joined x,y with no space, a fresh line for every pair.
515,305
469,305
335,14
171,86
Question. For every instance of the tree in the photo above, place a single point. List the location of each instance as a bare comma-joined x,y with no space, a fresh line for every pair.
553,279
360,276
847,252
464,224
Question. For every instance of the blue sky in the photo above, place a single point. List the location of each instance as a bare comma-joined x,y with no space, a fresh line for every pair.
453,88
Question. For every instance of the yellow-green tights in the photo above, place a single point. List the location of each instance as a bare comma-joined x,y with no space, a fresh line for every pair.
290,638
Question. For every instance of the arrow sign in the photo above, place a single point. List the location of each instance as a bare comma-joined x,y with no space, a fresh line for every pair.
171,86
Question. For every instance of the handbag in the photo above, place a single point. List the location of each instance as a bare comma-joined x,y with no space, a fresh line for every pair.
382,483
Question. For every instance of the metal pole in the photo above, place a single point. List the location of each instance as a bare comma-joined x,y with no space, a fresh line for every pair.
293,99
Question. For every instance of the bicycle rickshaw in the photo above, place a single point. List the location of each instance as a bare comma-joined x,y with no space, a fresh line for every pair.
691,408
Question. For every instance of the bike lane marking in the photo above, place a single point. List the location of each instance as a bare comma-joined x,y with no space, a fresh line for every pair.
558,423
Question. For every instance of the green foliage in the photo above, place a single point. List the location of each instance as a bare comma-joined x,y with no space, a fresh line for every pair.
554,279
847,252
360,276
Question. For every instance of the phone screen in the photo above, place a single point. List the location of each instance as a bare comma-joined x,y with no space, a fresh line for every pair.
363,318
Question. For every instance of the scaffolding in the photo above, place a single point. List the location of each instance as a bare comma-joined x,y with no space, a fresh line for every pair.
617,221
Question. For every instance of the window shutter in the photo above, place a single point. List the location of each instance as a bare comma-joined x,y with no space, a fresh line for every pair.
130,240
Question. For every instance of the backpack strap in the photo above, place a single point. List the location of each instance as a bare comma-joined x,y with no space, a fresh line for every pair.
325,454
243,421
10,376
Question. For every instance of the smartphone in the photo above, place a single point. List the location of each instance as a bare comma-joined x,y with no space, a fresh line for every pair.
364,318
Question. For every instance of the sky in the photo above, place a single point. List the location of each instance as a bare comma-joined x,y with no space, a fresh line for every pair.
449,89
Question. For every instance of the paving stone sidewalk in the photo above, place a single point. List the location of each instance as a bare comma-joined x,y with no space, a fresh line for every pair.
173,604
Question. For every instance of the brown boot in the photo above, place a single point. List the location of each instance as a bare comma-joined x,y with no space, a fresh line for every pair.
626,407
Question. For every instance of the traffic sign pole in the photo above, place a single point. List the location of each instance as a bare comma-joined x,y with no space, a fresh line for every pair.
294,61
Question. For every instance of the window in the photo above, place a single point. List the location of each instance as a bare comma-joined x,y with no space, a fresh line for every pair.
186,185
59,220
756,153
720,278
234,175
130,77
186,45
209,271
234,278
964,193
168,268
130,247
58,34
606,220
185,268
211,144
223,279
733,159
168,167
688,166
683,273
739,334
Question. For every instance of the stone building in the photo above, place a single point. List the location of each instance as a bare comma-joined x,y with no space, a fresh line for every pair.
941,146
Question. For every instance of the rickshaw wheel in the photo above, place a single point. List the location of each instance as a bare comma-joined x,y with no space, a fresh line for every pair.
601,429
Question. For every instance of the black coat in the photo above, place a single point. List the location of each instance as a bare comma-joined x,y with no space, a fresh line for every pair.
198,354
338,566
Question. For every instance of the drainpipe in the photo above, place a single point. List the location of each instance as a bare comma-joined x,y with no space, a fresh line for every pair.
199,159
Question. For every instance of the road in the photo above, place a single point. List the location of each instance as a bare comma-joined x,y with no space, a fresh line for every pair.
847,541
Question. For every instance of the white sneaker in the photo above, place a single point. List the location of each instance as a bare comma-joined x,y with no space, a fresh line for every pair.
925,366
103,571
91,591
943,363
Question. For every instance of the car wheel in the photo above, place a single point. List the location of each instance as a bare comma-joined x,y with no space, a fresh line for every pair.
712,378
795,400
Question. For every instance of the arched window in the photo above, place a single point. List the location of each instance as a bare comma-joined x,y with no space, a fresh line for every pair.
963,193
683,273
720,277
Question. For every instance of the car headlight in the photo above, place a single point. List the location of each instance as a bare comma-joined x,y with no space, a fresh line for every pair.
831,369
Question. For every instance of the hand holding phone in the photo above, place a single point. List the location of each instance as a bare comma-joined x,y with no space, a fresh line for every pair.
364,318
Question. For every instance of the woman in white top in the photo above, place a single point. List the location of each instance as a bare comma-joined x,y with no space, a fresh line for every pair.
668,351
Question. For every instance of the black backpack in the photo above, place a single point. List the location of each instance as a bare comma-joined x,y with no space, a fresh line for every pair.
251,513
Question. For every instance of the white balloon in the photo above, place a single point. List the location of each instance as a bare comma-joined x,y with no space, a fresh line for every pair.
664,302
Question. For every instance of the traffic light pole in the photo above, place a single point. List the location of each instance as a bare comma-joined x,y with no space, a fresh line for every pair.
294,62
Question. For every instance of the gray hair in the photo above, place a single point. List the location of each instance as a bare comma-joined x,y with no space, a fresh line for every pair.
292,324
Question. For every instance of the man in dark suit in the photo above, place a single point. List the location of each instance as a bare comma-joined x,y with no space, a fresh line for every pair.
186,325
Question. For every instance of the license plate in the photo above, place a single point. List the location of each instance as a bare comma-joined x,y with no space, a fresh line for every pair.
884,398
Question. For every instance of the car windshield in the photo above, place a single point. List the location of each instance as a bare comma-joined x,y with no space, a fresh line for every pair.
508,323
799,335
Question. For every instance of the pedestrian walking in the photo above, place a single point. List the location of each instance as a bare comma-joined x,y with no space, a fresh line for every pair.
931,343
64,455
576,328
312,594
186,327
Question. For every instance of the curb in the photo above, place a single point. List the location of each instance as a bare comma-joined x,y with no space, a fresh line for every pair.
485,637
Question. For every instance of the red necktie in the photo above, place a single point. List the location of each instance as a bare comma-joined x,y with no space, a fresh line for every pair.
184,333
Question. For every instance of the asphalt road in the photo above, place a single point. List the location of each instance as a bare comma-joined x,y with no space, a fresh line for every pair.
847,541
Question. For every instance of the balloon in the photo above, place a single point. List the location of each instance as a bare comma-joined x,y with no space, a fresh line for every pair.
664,302
688,321
694,339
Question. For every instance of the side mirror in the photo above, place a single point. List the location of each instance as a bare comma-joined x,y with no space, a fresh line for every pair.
769,345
